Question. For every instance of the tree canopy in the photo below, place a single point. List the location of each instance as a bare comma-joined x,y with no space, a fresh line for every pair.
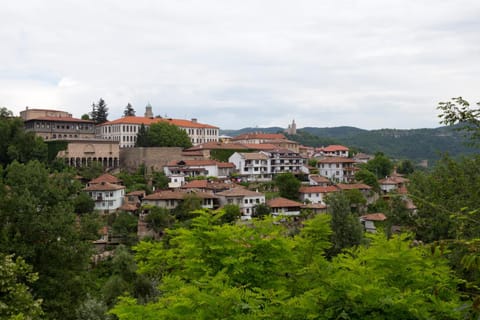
99,112
129,111
163,134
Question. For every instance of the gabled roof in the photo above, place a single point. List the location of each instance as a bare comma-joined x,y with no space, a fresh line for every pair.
319,179
103,186
283,203
253,156
336,160
374,217
259,135
225,165
239,192
191,163
259,146
334,147
178,195
106,177
351,186
318,189
196,184
148,121
61,119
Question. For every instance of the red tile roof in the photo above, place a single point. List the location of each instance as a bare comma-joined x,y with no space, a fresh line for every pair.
351,186
318,189
374,217
106,177
225,165
283,203
319,179
191,163
259,146
148,121
196,184
336,160
178,195
103,186
239,192
334,147
62,119
253,135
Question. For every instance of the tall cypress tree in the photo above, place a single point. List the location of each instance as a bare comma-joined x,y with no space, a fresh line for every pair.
129,111
99,112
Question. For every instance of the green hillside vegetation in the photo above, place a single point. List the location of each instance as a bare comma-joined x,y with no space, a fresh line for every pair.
414,144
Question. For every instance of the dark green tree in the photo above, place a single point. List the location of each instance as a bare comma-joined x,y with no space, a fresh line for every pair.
262,210
5,113
288,186
164,134
159,219
231,213
129,111
405,167
99,112
83,203
142,138
186,209
85,116
346,227
380,165
367,177
125,228
38,224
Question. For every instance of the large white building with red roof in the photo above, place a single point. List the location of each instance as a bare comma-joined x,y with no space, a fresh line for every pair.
125,129
339,169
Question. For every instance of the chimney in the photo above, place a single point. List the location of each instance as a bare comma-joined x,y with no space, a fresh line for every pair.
194,120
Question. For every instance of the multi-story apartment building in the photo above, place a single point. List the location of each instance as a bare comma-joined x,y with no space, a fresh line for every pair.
55,124
125,129
245,199
337,169
285,160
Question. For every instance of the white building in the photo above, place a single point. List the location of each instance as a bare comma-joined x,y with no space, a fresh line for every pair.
245,199
252,166
338,169
108,197
125,129
316,194
334,150
194,168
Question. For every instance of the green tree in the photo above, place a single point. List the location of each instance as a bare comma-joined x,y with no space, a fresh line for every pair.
347,231
262,210
83,203
5,113
186,210
99,112
380,165
230,213
406,167
125,227
16,300
367,177
129,111
159,219
142,138
85,116
459,112
288,186
164,134
39,225
356,199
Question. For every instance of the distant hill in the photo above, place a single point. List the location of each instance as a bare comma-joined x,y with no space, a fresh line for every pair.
414,144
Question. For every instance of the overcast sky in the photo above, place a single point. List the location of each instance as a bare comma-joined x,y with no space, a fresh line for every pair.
370,63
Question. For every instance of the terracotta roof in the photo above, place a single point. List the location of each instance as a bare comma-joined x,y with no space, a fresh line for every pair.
314,206
336,160
254,156
62,119
259,146
128,207
351,186
319,179
138,193
191,163
148,121
265,136
318,189
374,217
283,203
178,195
225,165
334,147
363,156
393,180
239,192
165,195
103,186
218,145
106,177
197,184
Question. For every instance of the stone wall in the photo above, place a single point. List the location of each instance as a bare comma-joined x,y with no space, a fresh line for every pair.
153,158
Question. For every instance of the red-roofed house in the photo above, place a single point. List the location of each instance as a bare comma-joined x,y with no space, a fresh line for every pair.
338,169
244,198
334,151
125,129
108,197
316,194
170,199
194,168
284,207
368,221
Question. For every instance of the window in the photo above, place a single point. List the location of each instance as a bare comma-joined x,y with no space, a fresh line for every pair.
246,201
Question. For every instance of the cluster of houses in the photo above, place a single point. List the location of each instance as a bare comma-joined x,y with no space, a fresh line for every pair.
252,157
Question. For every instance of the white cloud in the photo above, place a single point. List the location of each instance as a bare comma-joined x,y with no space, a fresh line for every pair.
368,63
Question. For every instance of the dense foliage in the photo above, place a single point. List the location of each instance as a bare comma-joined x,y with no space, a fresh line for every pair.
163,134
